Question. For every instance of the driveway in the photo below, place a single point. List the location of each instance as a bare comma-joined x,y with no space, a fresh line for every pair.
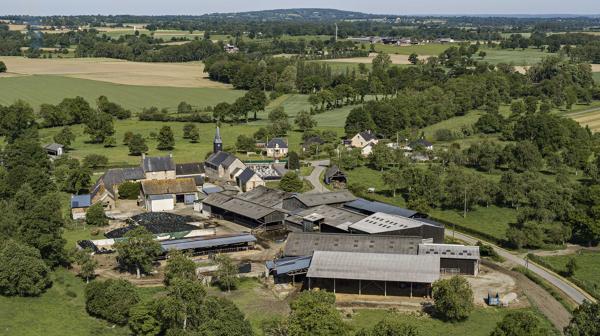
575,293
315,176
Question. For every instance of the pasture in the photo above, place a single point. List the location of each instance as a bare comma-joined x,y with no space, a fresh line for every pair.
115,71
421,49
39,89
587,274
518,57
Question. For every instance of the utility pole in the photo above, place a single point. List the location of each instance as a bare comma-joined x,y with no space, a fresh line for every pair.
336,32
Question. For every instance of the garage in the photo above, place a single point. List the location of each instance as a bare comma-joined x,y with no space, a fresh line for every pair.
158,203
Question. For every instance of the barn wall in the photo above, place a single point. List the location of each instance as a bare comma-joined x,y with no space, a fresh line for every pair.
466,266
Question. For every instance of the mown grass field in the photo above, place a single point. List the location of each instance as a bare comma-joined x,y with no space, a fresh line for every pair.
432,49
525,57
587,272
41,89
481,322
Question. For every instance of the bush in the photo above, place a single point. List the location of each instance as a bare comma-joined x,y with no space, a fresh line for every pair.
22,270
111,299
444,134
95,161
291,182
453,298
2,67
95,215
129,190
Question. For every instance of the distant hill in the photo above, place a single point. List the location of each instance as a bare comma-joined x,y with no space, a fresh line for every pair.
296,14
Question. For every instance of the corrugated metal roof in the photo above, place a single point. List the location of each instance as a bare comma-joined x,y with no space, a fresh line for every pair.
375,266
54,146
305,243
336,217
81,201
370,207
287,265
209,188
247,209
450,251
311,200
158,163
331,171
265,196
204,242
172,186
380,222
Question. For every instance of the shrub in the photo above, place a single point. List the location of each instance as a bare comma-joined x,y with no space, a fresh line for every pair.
95,161
95,215
129,190
453,298
444,134
111,299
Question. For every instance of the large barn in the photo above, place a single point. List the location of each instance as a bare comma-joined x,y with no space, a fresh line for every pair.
305,201
243,212
382,223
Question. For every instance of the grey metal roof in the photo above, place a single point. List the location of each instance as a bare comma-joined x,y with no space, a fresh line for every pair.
311,200
374,266
193,168
246,175
206,242
216,199
209,188
158,163
287,265
336,217
369,208
266,196
277,143
305,243
450,251
247,209
380,222
53,146
81,201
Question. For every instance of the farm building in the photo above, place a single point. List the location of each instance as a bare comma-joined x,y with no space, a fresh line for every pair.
222,165
382,223
454,259
242,212
248,180
323,218
106,189
334,175
276,148
268,197
305,201
162,195
370,207
373,273
304,243
158,168
211,244
193,169
54,149
79,205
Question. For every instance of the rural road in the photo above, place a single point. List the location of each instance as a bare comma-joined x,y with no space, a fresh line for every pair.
572,291
315,176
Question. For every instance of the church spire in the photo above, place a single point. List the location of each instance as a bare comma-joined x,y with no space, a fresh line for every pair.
217,142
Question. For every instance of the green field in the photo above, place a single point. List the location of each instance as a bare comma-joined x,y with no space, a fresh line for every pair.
481,322
596,76
432,49
517,57
587,273
41,89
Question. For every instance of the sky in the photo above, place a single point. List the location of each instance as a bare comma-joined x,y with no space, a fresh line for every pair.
198,7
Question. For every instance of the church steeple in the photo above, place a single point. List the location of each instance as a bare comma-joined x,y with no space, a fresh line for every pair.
217,142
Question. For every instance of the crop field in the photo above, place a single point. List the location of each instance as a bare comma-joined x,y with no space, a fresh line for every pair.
165,34
184,151
115,71
396,59
589,117
40,89
481,322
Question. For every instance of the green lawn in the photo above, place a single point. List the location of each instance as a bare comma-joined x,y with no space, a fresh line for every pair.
41,89
587,272
55,313
481,322
491,220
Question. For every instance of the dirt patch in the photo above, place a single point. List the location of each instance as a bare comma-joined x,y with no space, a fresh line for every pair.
396,59
494,281
116,71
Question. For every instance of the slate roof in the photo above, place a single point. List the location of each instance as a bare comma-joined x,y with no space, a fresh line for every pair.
220,158
374,266
305,243
311,200
277,143
158,163
172,186
370,207
193,168
380,222
449,251
81,201
246,175
116,176
265,196
331,171
368,136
